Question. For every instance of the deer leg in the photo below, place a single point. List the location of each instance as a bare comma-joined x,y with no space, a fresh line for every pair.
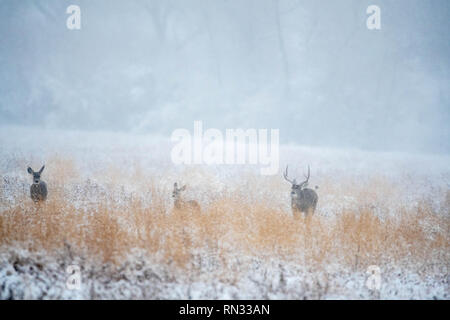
297,214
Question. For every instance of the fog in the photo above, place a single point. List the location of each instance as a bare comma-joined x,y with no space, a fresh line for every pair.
309,68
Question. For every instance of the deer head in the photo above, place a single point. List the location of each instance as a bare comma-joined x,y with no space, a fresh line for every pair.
295,186
176,193
36,174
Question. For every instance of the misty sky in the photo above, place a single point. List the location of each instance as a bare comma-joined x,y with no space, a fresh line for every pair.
310,68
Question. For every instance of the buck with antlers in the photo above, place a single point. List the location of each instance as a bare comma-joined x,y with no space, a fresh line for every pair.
180,204
302,199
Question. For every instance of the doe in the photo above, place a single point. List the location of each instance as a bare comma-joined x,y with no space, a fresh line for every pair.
181,204
38,190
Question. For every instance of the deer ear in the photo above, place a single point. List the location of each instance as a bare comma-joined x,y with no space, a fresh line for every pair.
183,188
42,169
30,171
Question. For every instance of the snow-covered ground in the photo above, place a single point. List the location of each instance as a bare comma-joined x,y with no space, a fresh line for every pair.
88,170
37,276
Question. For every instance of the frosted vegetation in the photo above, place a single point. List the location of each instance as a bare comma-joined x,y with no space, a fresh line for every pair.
311,69
110,211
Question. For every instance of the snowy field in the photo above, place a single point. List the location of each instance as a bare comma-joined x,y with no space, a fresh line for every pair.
110,212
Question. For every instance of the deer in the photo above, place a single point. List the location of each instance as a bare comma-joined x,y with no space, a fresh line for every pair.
179,203
303,199
38,190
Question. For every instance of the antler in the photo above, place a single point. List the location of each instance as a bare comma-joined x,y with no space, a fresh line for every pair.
286,174
304,183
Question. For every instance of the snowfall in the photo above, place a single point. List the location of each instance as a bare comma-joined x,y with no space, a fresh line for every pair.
40,274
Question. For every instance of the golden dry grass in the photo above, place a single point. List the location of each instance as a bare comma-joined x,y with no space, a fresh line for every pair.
107,229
